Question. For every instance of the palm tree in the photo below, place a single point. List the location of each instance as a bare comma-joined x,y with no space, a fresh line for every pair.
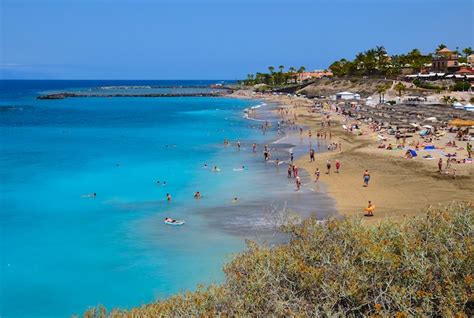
400,87
301,69
440,47
292,71
468,51
381,89
272,69
281,67
250,79
446,99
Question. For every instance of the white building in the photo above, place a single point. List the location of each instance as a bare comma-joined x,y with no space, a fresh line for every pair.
347,96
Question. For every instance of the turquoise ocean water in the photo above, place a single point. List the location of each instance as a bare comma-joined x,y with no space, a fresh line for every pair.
61,253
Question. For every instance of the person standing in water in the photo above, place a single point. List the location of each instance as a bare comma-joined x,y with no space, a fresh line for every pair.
238,144
295,171
168,197
311,154
317,173
254,147
366,178
298,183
291,156
290,170
328,166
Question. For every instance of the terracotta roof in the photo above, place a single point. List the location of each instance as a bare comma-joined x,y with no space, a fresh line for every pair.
445,50
465,70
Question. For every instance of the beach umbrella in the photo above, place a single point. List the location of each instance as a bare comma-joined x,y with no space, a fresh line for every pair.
428,127
433,119
461,122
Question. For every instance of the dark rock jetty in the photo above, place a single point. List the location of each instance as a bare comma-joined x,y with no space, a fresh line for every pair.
70,95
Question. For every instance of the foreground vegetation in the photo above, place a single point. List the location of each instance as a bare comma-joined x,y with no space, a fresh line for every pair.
420,267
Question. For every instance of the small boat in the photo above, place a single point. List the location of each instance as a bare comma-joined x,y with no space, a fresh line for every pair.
173,222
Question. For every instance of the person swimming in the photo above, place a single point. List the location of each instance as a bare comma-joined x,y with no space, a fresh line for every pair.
235,199
197,195
90,195
168,197
216,169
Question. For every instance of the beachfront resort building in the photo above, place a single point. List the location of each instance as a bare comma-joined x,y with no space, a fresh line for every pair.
445,61
313,75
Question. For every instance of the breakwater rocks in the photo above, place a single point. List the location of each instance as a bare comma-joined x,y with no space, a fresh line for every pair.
71,95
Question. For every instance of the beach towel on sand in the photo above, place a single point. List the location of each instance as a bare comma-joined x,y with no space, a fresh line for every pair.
413,153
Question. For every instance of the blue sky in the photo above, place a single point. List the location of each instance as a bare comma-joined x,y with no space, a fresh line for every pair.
211,39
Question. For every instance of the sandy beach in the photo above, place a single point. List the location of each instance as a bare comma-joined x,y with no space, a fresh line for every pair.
399,187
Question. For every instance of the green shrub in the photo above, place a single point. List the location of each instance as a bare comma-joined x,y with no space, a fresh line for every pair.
420,267
461,86
426,85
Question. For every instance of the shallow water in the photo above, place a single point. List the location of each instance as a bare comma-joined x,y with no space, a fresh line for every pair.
61,253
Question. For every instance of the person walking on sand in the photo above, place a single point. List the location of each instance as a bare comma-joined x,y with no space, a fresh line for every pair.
440,164
338,166
311,154
366,178
328,166
369,209
317,173
469,150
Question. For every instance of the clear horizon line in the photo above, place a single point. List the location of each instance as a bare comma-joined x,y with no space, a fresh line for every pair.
111,79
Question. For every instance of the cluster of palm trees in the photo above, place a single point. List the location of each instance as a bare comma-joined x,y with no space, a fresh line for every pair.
376,61
273,78
371,62
449,99
382,89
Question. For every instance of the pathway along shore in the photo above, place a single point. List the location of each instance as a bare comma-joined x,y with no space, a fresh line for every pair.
398,187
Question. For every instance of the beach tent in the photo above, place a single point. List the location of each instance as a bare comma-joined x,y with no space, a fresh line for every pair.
413,153
469,107
432,119
458,105
424,132
428,127
347,95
